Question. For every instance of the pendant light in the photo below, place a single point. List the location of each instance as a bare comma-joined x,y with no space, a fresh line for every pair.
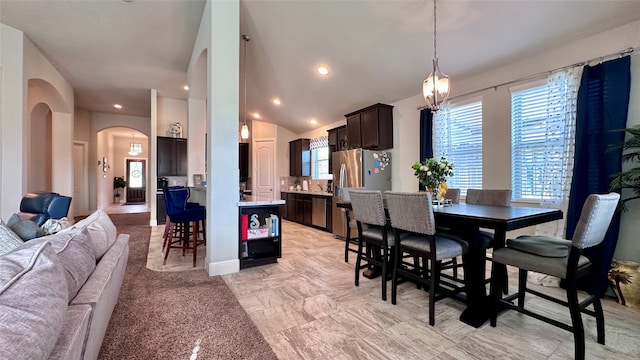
134,148
244,133
435,88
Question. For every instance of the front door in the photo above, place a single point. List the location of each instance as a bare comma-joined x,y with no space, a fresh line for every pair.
136,181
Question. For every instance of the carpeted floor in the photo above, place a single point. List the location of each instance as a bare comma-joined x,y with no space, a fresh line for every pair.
165,315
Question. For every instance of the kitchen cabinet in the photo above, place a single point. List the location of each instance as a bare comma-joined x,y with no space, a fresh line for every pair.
161,210
243,158
337,142
283,208
299,158
309,209
172,156
371,127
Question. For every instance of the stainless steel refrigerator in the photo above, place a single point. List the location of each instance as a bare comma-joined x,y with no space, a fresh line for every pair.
357,168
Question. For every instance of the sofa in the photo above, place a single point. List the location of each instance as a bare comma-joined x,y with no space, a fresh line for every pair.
42,206
57,292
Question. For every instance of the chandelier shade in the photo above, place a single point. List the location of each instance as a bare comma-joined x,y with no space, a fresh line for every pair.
435,88
134,147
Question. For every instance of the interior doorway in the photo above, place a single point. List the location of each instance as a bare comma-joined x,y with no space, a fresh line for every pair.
136,181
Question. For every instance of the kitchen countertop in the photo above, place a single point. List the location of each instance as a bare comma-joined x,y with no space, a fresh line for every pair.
251,201
319,193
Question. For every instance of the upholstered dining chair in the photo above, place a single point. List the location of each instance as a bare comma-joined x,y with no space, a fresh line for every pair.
373,231
350,241
182,214
411,216
452,194
561,258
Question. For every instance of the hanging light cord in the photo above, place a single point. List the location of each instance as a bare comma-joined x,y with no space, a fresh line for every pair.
244,74
435,53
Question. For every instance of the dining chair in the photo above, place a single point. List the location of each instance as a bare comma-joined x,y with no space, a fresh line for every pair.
373,232
352,228
561,258
413,222
452,194
180,216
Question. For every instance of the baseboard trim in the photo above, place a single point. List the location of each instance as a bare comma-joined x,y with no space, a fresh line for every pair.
223,267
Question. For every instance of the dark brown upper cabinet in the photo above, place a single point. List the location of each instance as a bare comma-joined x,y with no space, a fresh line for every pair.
172,156
371,127
299,158
243,157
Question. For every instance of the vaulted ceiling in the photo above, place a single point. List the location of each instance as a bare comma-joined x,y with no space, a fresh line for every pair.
376,51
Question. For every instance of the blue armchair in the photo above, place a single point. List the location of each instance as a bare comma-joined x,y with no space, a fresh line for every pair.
42,206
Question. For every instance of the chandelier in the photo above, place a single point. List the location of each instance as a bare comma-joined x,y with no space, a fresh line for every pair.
435,88
244,132
134,148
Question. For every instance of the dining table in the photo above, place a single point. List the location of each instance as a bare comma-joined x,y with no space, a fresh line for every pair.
468,219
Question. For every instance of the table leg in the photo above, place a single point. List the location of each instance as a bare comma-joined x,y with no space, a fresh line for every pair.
479,305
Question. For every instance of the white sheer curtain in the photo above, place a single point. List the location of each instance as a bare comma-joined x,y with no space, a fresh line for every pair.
564,87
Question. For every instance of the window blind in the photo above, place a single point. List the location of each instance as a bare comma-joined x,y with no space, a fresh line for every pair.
542,139
457,134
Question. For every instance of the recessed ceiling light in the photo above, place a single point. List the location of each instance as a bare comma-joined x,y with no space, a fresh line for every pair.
313,121
276,101
323,70
186,87
117,106
256,115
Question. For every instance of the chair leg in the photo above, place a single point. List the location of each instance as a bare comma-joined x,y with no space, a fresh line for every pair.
347,240
385,257
195,241
435,278
522,286
454,263
576,319
597,307
394,277
495,290
358,261
168,241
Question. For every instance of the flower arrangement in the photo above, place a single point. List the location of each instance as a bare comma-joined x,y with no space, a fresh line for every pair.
433,173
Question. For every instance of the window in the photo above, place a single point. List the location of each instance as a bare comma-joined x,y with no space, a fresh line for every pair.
320,159
542,138
457,134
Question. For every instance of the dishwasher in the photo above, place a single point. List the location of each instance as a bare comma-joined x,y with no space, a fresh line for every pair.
319,212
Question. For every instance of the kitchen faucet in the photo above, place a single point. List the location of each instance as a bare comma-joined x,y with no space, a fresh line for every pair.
320,186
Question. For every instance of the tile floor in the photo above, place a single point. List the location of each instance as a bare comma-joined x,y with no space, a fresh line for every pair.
307,307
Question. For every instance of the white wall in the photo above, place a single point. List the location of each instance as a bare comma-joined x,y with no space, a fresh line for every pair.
219,36
197,131
170,111
21,61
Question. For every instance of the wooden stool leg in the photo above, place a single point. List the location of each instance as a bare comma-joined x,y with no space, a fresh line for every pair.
168,241
195,242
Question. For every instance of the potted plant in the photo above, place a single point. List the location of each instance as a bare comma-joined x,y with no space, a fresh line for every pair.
629,179
118,183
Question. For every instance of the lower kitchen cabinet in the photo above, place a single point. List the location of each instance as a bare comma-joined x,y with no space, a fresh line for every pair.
308,209
161,211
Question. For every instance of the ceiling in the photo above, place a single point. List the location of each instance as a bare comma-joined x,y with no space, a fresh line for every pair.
377,51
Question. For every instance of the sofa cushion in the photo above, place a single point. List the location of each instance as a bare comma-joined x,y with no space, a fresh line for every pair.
101,231
33,301
75,251
8,239
24,228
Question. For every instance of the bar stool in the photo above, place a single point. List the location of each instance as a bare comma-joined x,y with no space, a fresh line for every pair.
180,217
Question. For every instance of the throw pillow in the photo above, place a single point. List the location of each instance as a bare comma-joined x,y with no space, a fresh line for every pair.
33,301
52,226
75,251
8,239
624,277
24,228
101,230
